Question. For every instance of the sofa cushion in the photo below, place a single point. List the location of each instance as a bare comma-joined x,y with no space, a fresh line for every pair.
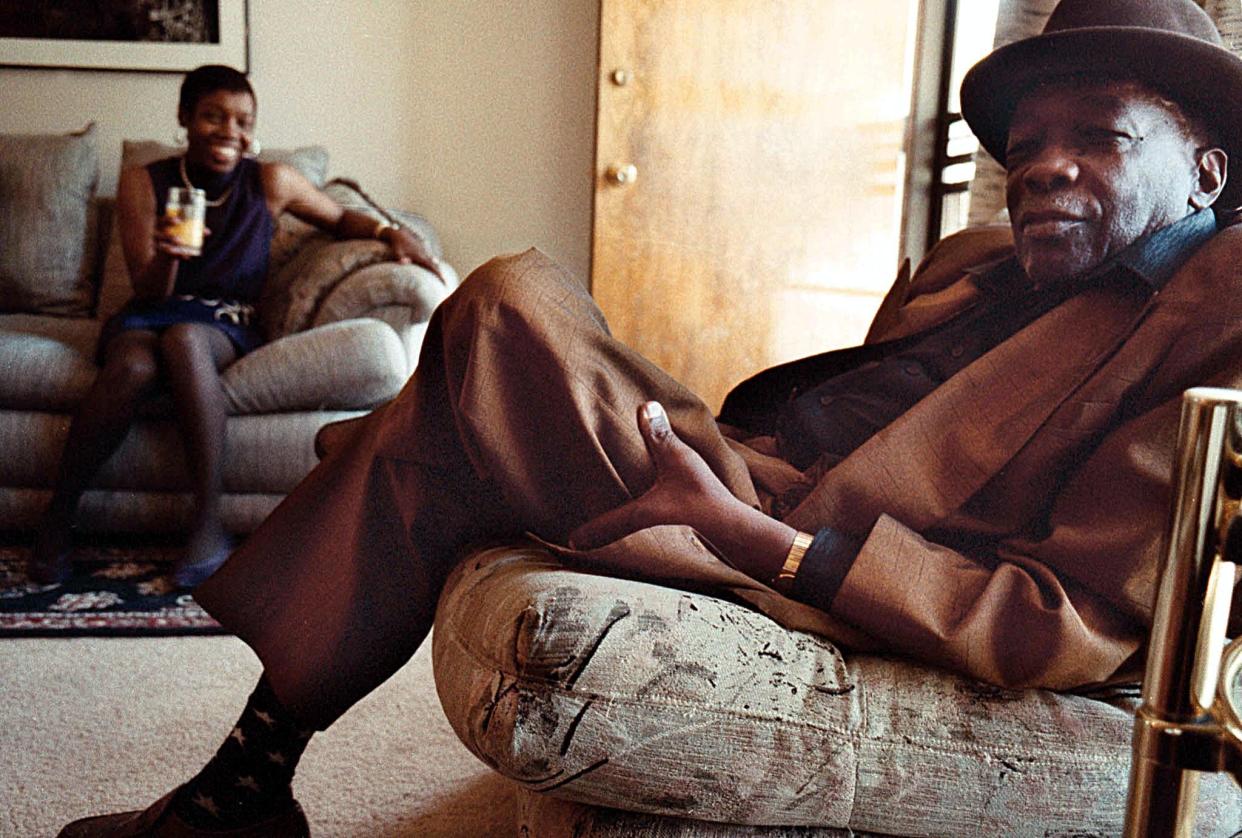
630,695
267,453
115,289
107,510
47,229
46,363
349,365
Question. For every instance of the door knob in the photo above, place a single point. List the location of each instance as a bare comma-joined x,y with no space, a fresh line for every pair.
622,174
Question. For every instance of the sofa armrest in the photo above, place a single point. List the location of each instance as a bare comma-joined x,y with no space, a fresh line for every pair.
403,296
385,284
315,280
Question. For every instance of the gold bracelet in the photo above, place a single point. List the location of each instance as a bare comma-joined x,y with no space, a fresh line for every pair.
801,543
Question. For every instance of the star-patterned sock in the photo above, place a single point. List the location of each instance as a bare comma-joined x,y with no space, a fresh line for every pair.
251,774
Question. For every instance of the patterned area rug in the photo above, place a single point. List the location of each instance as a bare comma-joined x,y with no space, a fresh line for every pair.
119,590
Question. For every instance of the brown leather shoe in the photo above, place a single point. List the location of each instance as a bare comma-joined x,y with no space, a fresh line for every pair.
160,821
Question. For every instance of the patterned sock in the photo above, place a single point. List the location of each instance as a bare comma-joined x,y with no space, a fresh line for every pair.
251,774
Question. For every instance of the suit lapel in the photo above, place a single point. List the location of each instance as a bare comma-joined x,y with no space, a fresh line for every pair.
756,402
941,289
933,458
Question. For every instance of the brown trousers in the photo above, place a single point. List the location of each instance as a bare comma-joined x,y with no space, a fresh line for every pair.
520,417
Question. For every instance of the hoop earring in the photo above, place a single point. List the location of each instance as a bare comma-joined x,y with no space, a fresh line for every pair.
254,149
180,137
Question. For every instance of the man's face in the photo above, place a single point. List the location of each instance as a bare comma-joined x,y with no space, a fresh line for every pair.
1091,168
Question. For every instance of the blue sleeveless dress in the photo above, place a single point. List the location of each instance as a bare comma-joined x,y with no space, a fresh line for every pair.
221,286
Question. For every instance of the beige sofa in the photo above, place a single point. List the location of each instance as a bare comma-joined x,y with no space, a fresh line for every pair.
346,325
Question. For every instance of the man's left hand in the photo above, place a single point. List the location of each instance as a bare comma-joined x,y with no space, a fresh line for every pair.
685,490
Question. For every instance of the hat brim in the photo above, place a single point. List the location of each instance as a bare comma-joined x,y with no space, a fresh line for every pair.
1202,77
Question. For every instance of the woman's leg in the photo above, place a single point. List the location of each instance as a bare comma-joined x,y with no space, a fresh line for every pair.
193,355
130,373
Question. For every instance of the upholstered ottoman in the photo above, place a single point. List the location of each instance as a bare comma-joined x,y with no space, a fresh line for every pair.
623,708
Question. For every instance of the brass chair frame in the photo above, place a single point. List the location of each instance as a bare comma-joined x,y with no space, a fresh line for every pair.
1189,718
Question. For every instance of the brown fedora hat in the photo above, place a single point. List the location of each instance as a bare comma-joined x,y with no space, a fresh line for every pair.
1170,45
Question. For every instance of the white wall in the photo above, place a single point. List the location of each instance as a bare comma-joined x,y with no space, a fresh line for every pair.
480,115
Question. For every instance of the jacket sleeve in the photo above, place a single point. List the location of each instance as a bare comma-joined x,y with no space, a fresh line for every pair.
1066,608
1045,574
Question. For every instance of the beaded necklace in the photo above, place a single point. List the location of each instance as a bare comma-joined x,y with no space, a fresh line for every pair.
185,178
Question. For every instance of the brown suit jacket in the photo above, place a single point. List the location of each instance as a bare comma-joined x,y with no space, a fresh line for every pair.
1051,455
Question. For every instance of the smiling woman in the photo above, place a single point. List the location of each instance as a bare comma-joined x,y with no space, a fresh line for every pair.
192,312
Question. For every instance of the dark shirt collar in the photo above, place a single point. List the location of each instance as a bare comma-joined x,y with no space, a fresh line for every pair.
1153,259
1157,256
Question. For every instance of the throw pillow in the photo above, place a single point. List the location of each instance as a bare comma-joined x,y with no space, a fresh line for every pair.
293,234
47,229
306,264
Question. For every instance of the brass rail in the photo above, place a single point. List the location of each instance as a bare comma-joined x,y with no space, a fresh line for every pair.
1188,721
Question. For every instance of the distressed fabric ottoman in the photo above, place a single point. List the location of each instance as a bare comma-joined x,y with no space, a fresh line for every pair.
624,708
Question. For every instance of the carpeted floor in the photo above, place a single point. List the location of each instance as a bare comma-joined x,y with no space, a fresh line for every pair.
99,724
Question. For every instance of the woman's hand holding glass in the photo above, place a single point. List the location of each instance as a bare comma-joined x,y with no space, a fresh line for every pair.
169,242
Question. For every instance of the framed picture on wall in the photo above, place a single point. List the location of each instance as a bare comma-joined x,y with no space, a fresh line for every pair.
160,36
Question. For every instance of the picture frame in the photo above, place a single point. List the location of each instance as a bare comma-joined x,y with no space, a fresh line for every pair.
232,48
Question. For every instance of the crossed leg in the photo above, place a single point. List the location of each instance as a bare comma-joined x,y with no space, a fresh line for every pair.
129,375
520,417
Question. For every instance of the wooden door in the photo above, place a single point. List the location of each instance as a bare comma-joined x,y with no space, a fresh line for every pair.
749,164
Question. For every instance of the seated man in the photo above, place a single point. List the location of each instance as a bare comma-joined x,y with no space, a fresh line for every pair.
982,488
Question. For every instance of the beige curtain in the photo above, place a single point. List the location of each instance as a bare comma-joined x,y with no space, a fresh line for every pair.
1018,19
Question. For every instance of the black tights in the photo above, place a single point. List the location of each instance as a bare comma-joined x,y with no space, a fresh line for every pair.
188,357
